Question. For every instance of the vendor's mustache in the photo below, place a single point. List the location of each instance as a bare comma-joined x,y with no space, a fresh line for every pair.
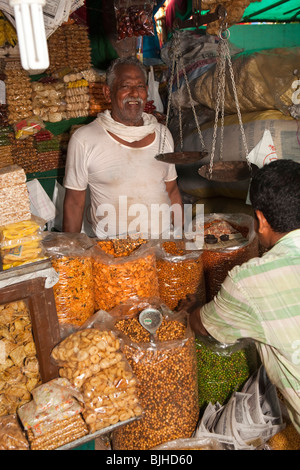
139,100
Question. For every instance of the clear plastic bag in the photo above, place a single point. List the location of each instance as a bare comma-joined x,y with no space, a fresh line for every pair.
11,434
167,382
74,292
119,278
28,126
21,242
221,256
193,443
52,403
180,272
91,359
134,18
223,368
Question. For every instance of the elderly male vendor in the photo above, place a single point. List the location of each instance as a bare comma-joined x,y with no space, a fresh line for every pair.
131,191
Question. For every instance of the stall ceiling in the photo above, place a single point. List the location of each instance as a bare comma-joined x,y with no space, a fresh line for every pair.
273,11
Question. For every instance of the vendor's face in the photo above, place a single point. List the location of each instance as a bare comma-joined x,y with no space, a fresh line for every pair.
128,95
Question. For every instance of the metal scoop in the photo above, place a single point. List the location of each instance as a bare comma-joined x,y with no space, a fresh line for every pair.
151,319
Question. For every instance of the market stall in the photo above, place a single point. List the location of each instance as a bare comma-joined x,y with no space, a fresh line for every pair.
93,343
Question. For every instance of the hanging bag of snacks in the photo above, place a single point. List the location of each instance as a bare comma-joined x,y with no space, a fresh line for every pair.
223,368
180,272
74,292
229,240
165,367
121,270
134,18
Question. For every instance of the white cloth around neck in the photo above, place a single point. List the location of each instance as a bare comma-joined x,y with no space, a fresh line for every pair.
128,133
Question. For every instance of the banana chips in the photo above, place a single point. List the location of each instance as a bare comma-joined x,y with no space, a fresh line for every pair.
20,243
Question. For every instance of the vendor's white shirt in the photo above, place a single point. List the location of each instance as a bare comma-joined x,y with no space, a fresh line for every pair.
125,183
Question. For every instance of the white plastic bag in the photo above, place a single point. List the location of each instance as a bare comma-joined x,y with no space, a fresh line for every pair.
153,92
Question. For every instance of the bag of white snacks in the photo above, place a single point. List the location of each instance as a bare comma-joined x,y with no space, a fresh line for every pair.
92,361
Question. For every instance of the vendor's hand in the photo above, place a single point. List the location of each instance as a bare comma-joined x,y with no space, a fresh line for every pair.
192,305
189,304
196,323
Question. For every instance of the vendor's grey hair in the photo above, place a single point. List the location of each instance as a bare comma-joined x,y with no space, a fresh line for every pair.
111,71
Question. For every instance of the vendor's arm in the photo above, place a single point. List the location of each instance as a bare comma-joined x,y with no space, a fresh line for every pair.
230,316
74,204
174,195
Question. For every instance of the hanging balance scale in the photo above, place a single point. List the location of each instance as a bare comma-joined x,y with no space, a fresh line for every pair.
226,171
181,157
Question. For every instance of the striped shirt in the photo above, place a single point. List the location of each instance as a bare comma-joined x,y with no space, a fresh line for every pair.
261,300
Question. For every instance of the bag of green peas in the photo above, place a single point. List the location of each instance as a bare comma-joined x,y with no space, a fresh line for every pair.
223,368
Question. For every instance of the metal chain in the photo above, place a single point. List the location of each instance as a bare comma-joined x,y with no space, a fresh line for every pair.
178,60
237,104
169,101
191,102
223,56
220,68
179,112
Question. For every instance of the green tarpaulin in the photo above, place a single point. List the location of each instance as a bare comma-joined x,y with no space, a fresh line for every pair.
272,11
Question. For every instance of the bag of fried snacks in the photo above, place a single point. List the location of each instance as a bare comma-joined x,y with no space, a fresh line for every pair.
28,126
166,370
91,359
52,402
70,256
11,434
121,275
21,242
180,272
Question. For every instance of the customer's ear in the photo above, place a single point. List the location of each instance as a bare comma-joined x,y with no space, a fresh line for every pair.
263,224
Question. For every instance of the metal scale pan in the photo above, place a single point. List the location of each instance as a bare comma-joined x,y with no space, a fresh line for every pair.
228,171
181,158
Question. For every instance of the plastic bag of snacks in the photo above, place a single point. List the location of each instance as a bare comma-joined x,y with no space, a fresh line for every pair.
74,292
123,269
193,443
229,240
92,361
11,434
222,368
53,402
21,242
134,18
167,379
28,126
180,272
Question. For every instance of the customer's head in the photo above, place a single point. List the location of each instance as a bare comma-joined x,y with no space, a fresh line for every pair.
275,193
126,89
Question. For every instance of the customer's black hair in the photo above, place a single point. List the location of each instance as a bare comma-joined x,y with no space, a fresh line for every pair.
275,191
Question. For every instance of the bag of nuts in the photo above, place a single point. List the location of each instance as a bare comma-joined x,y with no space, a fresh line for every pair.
180,272
118,278
167,381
